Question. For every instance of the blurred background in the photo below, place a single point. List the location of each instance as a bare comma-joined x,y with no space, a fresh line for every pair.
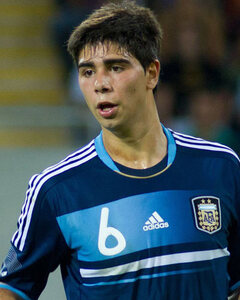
43,116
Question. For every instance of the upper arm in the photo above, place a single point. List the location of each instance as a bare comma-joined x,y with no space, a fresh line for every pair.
35,251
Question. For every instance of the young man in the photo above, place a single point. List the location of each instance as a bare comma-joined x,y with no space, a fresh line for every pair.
141,212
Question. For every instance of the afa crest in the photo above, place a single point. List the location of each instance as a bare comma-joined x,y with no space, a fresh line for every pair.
207,213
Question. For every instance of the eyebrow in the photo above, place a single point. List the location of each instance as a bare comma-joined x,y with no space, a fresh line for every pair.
110,61
85,64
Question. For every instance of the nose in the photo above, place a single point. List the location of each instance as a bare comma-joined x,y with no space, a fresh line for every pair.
102,82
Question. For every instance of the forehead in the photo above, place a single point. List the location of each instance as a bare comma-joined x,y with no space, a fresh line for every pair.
90,52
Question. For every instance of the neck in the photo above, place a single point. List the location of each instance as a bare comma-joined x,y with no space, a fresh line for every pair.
144,149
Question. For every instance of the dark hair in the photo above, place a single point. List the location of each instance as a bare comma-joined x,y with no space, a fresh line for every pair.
132,27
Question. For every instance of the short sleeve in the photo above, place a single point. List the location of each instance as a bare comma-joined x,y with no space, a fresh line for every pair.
37,247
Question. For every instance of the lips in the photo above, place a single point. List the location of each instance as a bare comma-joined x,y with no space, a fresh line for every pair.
107,109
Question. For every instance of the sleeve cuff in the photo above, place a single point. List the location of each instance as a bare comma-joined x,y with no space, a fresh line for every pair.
16,291
235,286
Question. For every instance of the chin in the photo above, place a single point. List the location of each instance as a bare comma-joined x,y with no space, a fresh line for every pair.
111,126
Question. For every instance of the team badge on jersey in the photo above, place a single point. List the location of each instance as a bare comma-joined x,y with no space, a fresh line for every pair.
207,213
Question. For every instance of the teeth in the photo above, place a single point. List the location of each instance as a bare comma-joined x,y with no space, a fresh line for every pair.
106,108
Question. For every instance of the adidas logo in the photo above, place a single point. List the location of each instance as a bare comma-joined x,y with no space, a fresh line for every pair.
155,222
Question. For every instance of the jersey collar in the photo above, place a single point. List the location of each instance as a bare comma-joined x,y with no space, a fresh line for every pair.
107,160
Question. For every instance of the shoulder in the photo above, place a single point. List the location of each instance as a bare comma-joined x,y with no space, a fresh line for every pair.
203,148
63,169
37,204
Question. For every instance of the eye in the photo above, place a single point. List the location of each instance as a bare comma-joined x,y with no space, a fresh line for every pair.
116,69
87,73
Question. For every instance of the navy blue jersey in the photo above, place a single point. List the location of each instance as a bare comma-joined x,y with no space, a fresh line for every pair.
170,231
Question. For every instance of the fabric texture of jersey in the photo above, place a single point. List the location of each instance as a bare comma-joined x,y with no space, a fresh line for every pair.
171,231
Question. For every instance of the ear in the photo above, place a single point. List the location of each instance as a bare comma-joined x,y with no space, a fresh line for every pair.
152,74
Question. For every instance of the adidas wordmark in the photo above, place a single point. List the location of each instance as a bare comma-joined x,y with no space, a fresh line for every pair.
155,222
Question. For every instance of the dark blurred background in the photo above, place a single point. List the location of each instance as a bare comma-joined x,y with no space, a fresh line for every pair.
43,116
42,105
199,91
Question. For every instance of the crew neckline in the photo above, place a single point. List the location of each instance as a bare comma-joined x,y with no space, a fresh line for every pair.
153,171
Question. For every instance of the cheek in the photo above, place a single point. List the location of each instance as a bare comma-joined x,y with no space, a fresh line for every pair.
87,93
131,85
82,85
85,88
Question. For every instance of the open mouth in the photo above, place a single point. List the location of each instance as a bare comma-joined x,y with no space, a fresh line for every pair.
107,109
106,106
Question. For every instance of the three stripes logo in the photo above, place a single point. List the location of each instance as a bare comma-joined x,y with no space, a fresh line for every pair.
155,222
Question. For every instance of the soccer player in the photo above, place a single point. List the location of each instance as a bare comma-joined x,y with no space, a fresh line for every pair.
141,212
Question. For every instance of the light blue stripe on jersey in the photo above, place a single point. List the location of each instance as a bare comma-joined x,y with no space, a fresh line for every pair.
17,292
106,159
162,274
81,228
182,258
171,146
